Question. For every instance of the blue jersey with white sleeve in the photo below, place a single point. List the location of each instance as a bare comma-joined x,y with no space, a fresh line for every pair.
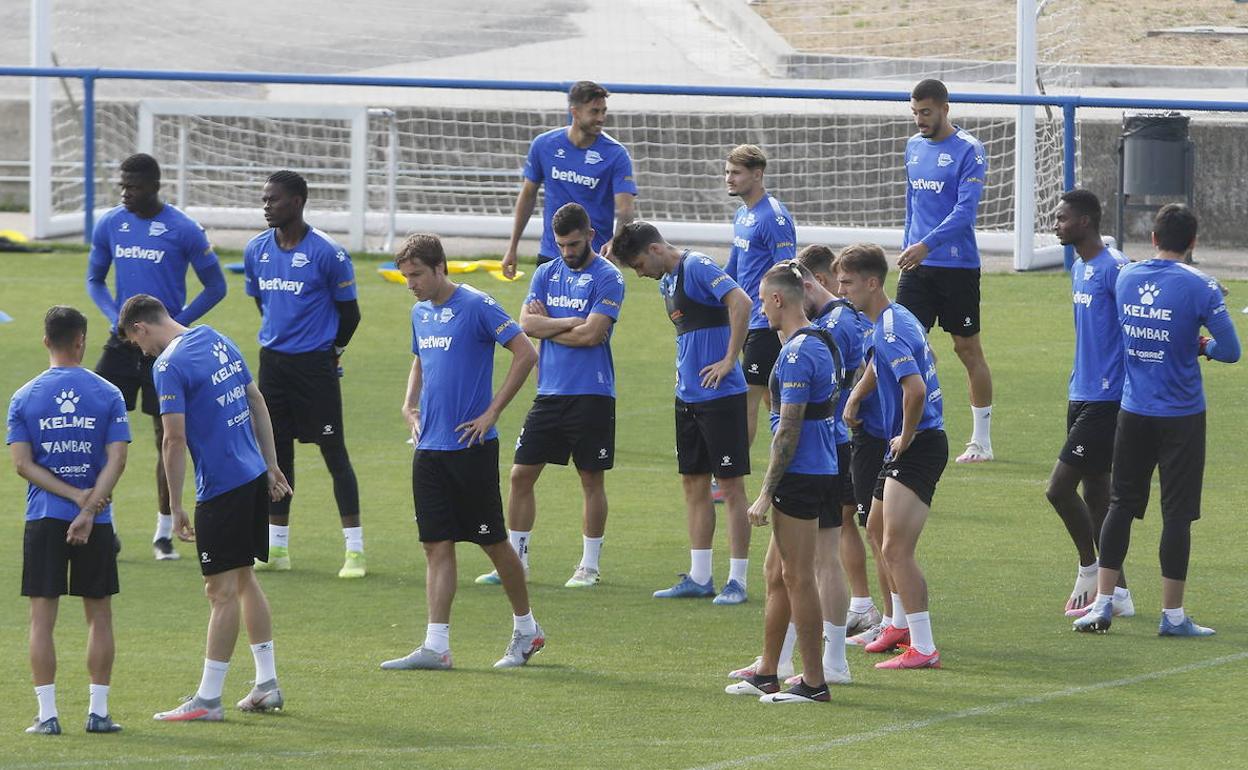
1098,371
598,287
700,280
762,235
591,176
901,350
203,376
298,289
151,256
806,373
945,181
839,318
455,343
1162,304
68,415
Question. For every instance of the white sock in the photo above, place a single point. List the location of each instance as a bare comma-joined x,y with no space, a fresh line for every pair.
921,632
886,621
438,637
590,552
1175,616
1089,571
213,680
279,537
99,700
737,570
354,537
525,623
46,694
860,603
520,543
834,647
786,649
266,665
164,531
700,564
1121,593
1103,601
900,619
981,420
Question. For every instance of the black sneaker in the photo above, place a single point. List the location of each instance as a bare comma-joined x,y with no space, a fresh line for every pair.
162,547
799,693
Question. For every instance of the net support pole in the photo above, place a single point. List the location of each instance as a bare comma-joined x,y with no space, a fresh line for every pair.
88,158
1025,137
40,188
357,196
1069,159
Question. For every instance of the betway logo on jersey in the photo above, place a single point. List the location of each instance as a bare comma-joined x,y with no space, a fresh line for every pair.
434,343
138,252
281,284
573,177
560,300
1083,298
61,422
931,185
741,243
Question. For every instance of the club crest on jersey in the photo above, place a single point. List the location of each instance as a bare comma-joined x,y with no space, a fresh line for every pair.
446,315
156,229
592,157
944,159
1088,272
584,280
299,259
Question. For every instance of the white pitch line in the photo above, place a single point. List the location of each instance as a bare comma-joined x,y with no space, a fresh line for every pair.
977,711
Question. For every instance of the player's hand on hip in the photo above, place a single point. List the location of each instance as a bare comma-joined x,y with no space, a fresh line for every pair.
757,514
713,374
897,445
279,487
913,256
182,525
473,431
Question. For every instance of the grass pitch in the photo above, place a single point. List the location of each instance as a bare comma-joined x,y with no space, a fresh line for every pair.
625,680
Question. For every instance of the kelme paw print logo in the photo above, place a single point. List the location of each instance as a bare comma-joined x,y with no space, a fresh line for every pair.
66,401
218,350
1148,293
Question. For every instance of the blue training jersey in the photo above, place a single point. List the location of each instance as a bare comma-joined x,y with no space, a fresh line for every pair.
298,289
945,182
591,176
704,282
1098,370
149,256
455,343
203,376
901,350
840,318
869,407
68,415
762,235
598,287
1162,304
806,373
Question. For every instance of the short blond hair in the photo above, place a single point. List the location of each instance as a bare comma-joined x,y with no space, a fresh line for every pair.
749,156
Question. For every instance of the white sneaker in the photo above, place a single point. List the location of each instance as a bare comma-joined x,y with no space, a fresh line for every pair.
522,647
421,658
1123,606
857,622
784,670
830,675
866,637
262,700
975,453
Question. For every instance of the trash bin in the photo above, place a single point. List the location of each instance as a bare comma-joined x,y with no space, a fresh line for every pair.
1155,157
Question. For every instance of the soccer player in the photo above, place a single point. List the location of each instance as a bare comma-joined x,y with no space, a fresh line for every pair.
1094,394
579,163
572,306
151,244
710,313
451,412
67,433
903,373
1162,305
800,483
946,168
211,406
304,285
763,234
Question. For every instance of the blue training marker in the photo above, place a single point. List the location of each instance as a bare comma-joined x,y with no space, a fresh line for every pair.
5,317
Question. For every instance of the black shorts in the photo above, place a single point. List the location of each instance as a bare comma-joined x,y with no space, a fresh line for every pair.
868,459
947,294
456,495
919,467
232,529
844,473
711,437
46,557
304,395
758,357
125,366
1090,427
809,496
1174,444
582,427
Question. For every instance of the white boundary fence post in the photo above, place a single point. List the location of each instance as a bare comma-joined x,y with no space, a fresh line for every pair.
41,120
1025,138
